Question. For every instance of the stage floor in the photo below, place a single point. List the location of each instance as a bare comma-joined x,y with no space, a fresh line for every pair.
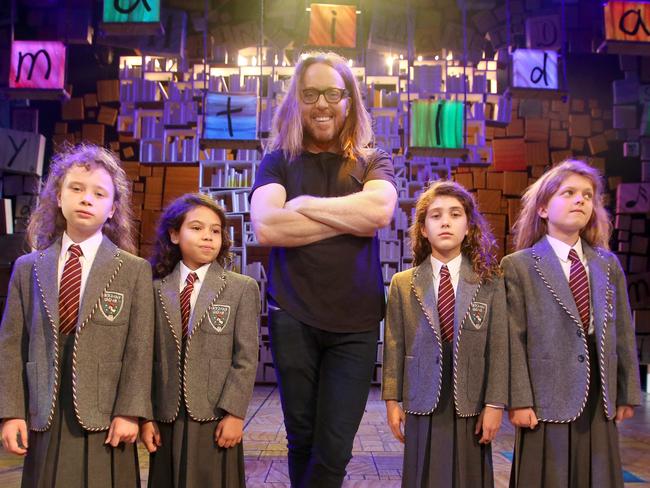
377,460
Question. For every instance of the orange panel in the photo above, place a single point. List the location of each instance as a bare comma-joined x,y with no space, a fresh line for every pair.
333,25
627,21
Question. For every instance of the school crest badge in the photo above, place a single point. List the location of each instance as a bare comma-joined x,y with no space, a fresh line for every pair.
477,313
218,316
111,304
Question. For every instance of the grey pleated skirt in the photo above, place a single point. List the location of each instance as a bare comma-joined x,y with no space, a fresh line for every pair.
580,454
67,456
441,449
190,458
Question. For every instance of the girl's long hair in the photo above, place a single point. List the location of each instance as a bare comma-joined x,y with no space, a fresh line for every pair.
286,128
478,245
530,227
47,222
166,254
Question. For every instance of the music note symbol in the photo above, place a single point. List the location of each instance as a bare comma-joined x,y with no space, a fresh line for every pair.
641,194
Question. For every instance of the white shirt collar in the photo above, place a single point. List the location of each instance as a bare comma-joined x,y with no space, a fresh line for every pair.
89,247
562,248
200,272
453,266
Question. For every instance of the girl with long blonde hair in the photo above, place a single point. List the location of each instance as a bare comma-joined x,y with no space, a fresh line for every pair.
573,362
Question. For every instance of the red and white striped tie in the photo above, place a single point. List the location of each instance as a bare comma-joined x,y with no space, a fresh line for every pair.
579,285
69,290
446,305
185,302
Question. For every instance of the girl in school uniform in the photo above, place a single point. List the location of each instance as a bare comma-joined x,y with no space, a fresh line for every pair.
445,349
77,332
573,360
205,352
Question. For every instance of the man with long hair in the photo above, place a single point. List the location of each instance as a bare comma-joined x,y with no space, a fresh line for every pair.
319,197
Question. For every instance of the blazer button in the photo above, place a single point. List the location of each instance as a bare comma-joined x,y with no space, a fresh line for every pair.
437,359
581,358
579,333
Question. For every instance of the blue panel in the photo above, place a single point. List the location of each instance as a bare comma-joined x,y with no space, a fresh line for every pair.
230,116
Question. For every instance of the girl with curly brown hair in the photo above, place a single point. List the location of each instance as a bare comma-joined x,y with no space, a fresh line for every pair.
446,344
205,350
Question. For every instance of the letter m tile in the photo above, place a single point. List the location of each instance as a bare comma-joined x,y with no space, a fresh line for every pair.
37,65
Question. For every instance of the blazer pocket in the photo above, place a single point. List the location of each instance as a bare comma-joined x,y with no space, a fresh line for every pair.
107,383
411,377
543,382
32,385
475,378
219,369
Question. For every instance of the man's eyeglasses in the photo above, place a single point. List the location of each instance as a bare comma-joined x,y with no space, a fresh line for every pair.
332,95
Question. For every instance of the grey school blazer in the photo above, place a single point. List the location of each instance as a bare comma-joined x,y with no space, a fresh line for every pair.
412,366
549,358
217,370
113,341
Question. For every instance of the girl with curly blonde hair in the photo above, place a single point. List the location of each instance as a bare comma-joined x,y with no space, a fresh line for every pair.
47,222
446,344
77,333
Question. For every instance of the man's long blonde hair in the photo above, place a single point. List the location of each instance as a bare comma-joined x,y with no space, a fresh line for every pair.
287,131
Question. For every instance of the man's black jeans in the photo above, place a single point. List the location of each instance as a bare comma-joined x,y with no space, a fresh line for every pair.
324,379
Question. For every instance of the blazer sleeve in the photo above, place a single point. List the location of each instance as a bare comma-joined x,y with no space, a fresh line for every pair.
238,387
134,390
496,391
521,391
394,347
628,381
13,351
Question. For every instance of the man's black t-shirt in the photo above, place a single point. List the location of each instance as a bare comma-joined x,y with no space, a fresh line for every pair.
334,284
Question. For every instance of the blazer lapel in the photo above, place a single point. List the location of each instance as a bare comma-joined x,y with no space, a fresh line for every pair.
215,281
467,286
598,287
170,290
47,268
550,269
422,284
104,265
